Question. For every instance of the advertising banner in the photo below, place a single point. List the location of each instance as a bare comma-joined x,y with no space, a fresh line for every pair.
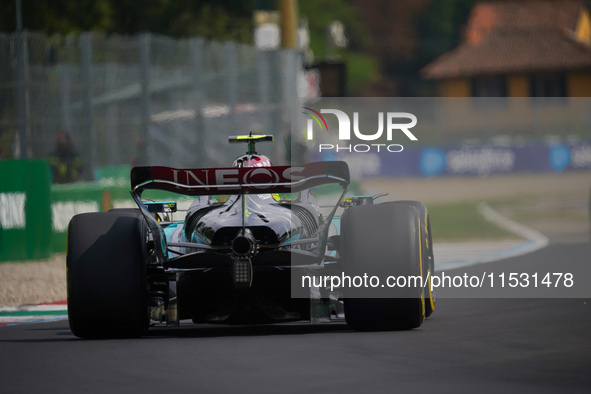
25,215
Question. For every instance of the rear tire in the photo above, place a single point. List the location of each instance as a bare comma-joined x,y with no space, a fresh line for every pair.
382,239
106,263
428,260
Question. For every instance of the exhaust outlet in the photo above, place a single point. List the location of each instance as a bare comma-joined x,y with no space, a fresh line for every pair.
244,244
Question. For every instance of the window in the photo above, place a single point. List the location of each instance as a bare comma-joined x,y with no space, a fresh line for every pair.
548,85
489,86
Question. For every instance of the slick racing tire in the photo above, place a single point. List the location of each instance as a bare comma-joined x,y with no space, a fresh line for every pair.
136,210
125,210
428,261
106,274
382,240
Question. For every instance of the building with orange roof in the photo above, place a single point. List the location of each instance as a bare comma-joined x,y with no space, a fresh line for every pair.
519,49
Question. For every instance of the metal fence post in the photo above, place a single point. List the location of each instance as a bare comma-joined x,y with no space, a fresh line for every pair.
65,87
263,85
289,100
64,92
111,117
231,72
145,64
21,92
198,93
88,139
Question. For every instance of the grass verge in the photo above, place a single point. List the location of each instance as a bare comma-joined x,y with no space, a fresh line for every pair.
461,222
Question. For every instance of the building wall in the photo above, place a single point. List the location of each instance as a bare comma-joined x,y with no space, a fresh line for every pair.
518,85
455,88
578,84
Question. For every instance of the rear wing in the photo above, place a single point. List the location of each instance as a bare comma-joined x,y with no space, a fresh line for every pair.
239,180
234,180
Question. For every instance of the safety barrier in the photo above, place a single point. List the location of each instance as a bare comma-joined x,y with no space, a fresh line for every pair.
25,214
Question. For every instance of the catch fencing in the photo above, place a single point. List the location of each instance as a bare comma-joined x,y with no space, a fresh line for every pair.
143,99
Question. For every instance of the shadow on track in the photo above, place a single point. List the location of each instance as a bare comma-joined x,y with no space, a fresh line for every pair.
212,331
188,330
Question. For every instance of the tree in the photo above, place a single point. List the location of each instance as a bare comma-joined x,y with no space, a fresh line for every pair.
362,67
408,34
214,19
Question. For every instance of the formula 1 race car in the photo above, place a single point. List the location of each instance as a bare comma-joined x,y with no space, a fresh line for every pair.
256,245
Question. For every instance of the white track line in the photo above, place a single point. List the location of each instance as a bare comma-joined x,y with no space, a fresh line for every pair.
538,239
34,308
27,314
13,320
449,256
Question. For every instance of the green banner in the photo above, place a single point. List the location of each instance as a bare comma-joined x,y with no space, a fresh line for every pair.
34,215
72,199
25,214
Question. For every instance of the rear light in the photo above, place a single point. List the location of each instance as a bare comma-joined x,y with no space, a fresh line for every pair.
242,272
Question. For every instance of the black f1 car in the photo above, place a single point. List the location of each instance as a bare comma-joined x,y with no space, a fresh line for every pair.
257,245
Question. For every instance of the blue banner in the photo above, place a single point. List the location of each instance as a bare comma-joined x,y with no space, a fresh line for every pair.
482,161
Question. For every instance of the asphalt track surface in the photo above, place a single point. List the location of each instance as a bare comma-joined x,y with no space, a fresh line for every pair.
468,345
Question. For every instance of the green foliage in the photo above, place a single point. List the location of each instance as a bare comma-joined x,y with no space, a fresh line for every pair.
362,68
389,42
320,13
440,27
213,19
219,20
461,222
213,22
58,16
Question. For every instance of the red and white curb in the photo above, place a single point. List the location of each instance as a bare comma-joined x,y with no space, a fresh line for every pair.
27,314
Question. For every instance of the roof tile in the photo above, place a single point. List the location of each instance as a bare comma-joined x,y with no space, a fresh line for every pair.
516,37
